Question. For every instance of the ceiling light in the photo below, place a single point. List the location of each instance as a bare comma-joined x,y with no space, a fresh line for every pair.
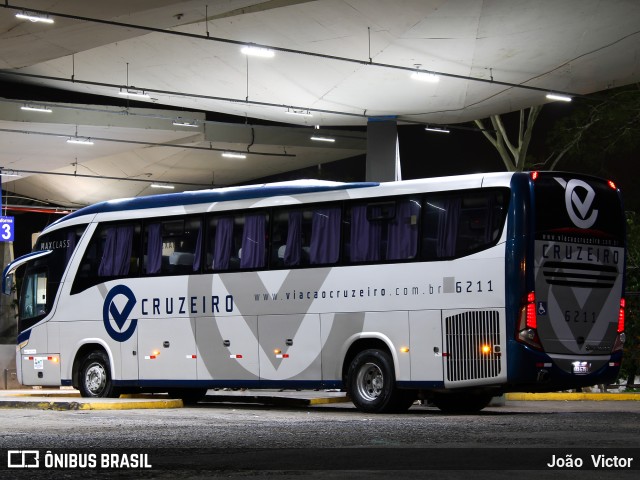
234,155
180,122
135,93
323,139
9,173
437,129
302,113
160,185
560,98
36,108
425,77
254,51
33,17
80,141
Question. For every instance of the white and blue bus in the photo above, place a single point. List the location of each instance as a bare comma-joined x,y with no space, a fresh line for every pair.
451,289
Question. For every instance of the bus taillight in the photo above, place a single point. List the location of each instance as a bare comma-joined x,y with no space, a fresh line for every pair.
527,328
612,184
621,316
621,337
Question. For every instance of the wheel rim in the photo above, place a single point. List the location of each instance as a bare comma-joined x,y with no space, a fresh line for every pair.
95,378
370,382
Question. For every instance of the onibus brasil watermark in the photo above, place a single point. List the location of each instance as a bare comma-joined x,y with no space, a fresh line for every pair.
71,460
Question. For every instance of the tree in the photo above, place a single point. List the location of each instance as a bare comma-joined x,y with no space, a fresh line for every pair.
599,129
512,154
631,358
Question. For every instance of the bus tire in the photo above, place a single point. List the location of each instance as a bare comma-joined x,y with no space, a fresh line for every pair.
461,402
371,384
95,376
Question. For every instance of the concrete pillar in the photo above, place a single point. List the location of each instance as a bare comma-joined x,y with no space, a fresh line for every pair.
383,162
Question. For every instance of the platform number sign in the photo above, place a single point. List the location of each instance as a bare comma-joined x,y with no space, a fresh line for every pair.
6,229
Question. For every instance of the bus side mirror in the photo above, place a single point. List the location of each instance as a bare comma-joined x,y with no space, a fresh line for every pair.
7,284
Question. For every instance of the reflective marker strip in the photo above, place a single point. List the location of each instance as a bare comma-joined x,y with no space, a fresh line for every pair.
235,356
192,356
282,355
150,357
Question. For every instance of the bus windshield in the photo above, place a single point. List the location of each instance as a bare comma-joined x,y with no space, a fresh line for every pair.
44,274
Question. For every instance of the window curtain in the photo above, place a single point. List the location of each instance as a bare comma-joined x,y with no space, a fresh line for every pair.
223,243
293,252
448,221
154,248
325,236
116,256
403,231
365,236
253,242
197,257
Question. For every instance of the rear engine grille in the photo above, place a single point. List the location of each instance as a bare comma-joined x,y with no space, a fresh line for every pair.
466,334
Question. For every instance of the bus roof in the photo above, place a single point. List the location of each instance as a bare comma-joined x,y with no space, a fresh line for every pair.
295,187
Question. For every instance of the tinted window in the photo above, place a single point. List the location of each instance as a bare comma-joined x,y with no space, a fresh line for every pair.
461,223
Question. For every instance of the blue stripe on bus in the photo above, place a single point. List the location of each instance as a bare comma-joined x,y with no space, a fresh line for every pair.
23,337
211,196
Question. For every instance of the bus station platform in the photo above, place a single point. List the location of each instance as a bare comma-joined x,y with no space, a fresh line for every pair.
70,399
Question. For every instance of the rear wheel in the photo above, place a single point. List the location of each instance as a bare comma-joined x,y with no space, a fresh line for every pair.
461,402
371,384
95,377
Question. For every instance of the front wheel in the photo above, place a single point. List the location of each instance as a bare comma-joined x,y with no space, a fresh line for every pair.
371,384
95,377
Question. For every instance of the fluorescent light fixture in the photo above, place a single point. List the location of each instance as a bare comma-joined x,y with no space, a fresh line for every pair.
135,93
425,77
560,98
36,108
180,122
160,185
437,129
302,113
33,17
323,139
234,155
254,51
9,173
80,141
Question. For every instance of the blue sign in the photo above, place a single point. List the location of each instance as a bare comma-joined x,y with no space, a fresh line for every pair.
6,229
110,311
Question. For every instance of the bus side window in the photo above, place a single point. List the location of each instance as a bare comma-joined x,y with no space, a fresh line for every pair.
382,231
324,247
459,224
172,247
113,252
220,244
253,247
402,233
290,238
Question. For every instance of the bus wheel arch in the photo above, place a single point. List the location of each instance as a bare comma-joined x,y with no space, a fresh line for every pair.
92,374
370,379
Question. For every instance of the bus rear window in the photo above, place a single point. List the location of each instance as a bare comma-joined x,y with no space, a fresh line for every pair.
571,208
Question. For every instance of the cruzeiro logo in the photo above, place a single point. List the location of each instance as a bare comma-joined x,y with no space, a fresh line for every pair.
111,313
578,198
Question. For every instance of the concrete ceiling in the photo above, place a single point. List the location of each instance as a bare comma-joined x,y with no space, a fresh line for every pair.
340,61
